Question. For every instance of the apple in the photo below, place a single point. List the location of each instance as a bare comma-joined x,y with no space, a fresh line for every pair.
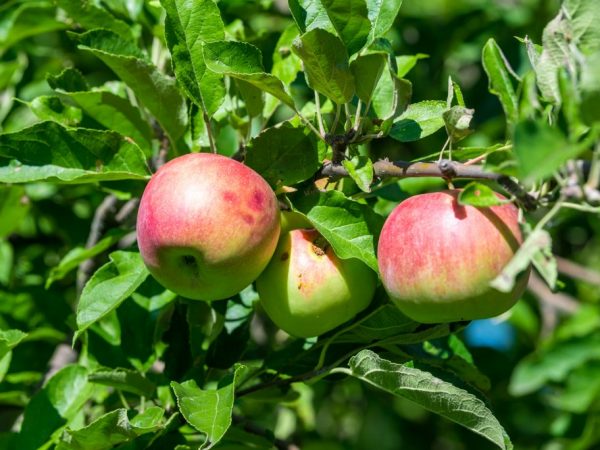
307,290
437,257
207,226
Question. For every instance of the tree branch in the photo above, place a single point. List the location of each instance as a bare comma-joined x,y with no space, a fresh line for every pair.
103,213
445,169
253,428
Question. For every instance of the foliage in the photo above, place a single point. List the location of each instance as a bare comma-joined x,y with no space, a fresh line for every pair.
95,95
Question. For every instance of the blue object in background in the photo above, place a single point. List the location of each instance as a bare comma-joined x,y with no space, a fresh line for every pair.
492,333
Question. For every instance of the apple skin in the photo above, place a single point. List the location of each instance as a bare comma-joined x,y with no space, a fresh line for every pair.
307,290
437,258
207,226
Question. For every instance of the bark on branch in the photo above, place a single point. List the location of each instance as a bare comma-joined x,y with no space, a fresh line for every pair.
444,169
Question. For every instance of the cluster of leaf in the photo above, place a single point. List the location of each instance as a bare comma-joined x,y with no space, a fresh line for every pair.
150,370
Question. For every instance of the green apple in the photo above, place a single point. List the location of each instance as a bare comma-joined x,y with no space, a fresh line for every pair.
307,290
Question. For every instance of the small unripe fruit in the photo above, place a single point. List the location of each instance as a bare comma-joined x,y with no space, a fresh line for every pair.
307,290
437,258
207,226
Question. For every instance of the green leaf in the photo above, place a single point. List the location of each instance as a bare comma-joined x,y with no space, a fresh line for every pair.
326,64
244,61
188,26
109,430
50,107
27,19
391,96
54,407
458,122
6,260
419,120
310,14
123,380
88,16
14,206
554,363
406,63
79,254
382,14
208,411
350,20
589,108
286,64
9,339
50,152
252,97
360,169
284,154
537,242
69,80
434,394
109,287
350,227
110,110
367,70
541,149
156,91
500,83
479,195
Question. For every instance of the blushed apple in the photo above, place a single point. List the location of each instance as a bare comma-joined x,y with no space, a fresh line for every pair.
307,290
207,226
437,257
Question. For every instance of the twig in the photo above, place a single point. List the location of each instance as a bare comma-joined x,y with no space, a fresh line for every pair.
444,169
253,428
551,303
319,115
577,271
105,210
558,300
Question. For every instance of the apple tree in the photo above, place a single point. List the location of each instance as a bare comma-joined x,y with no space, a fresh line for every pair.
192,242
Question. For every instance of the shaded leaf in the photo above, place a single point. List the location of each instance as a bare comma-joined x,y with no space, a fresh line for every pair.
479,195
79,254
14,206
124,380
540,149
367,70
111,429
350,20
54,406
419,120
310,14
89,16
432,393
283,155
9,339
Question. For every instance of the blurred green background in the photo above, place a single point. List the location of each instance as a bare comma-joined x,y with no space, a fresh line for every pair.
542,359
